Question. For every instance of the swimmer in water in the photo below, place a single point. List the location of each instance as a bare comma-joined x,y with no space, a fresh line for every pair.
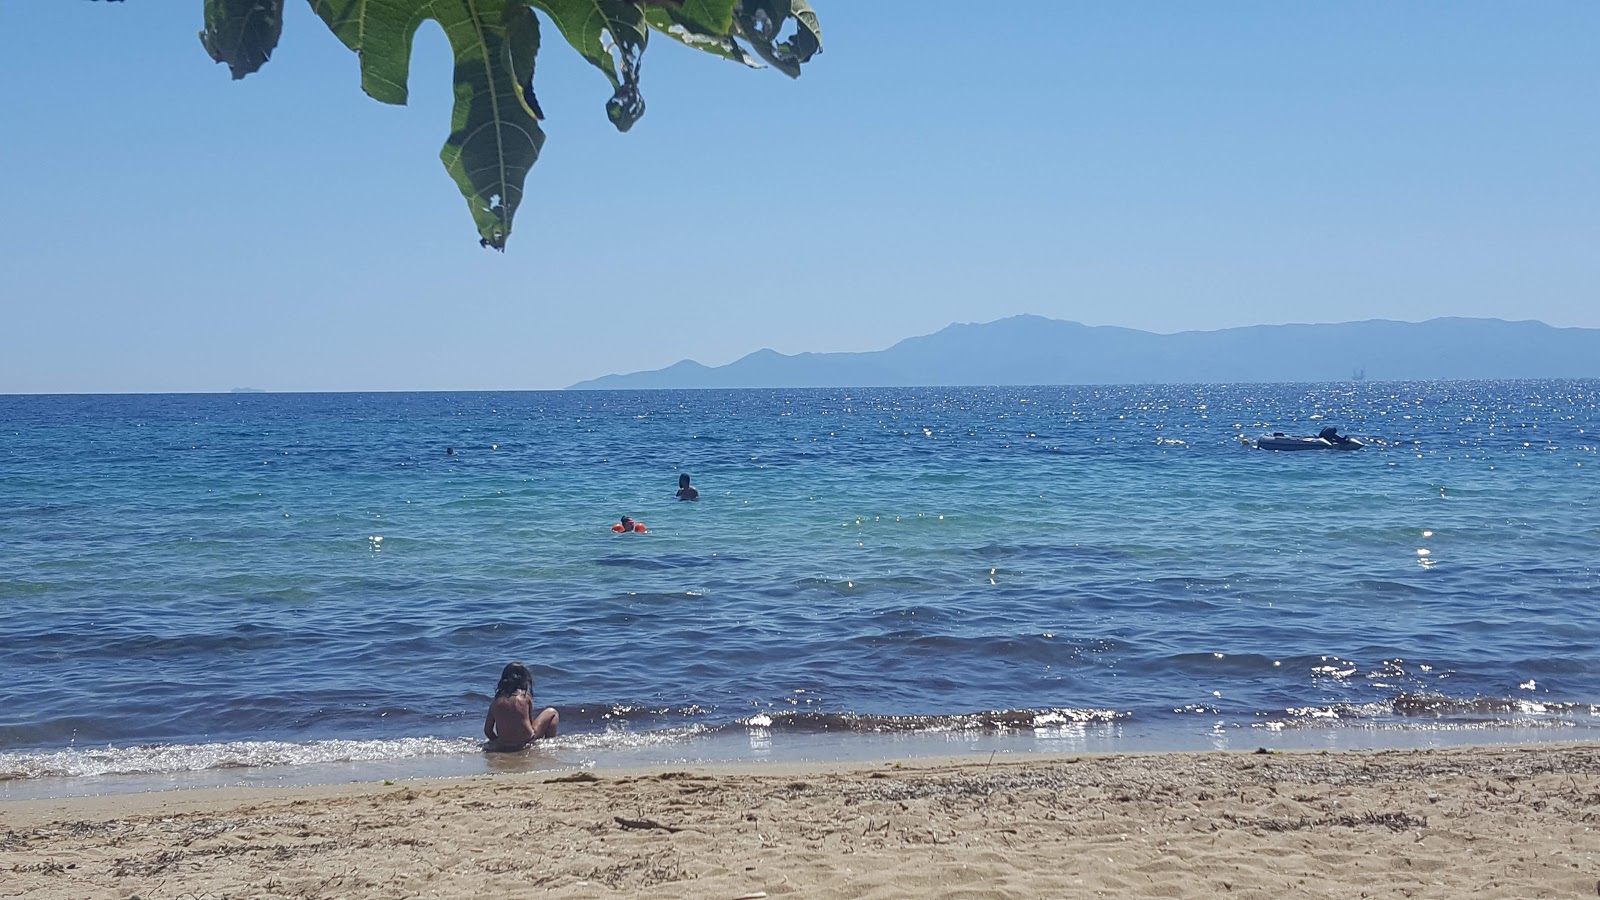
685,492
511,724
628,525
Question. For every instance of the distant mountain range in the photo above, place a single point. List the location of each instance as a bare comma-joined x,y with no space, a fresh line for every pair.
1036,350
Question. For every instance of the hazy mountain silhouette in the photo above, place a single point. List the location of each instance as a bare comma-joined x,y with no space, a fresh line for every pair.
1036,350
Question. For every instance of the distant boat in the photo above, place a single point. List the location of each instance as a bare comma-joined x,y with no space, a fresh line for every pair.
1358,375
1327,439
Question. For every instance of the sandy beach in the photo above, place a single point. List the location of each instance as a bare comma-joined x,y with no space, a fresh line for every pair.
1513,822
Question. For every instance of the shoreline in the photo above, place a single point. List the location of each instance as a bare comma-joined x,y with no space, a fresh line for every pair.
1486,821
93,771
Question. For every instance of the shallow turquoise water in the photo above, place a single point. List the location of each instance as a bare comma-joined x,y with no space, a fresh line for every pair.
193,581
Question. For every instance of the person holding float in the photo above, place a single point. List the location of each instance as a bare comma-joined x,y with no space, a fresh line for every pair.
629,525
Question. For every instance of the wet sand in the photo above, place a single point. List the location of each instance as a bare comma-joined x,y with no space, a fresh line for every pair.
1510,822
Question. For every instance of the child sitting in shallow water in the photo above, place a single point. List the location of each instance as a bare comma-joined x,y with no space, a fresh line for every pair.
511,724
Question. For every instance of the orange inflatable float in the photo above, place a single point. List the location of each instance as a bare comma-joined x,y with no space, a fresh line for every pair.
628,524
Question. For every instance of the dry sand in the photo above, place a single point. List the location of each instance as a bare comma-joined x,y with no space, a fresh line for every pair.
1475,822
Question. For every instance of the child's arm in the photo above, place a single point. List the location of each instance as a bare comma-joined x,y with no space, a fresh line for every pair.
488,725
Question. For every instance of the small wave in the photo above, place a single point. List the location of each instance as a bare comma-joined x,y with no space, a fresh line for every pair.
1214,663
645,563
606,715
989,720
1425,709
1441,705
624,738
167,759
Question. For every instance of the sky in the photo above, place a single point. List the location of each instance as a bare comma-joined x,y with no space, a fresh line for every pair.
1161,165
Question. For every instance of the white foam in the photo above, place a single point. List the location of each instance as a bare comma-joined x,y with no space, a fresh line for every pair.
622,739
166,759
1076,716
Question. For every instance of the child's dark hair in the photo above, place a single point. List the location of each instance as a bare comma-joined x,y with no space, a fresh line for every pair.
513,678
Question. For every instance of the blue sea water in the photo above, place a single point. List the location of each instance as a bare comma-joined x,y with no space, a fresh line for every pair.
196,583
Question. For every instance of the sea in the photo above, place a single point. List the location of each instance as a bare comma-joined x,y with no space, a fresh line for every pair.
262,588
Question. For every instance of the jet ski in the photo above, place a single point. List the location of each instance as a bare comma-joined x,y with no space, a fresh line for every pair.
1326,439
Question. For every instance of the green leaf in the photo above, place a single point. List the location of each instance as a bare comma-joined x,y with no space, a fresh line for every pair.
676,24
522,35
495,136
761,22
242,33
709,16
380,32
596,28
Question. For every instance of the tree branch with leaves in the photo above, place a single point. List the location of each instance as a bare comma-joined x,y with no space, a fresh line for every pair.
495,135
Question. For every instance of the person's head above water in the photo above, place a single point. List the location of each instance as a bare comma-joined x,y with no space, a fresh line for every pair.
513,678
627,523
683,481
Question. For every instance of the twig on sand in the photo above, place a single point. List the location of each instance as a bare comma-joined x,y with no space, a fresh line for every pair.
644,824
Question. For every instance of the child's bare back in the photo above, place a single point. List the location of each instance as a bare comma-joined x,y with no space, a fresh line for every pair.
511,724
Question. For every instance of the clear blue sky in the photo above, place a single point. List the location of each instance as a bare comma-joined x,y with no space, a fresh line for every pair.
1161,165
